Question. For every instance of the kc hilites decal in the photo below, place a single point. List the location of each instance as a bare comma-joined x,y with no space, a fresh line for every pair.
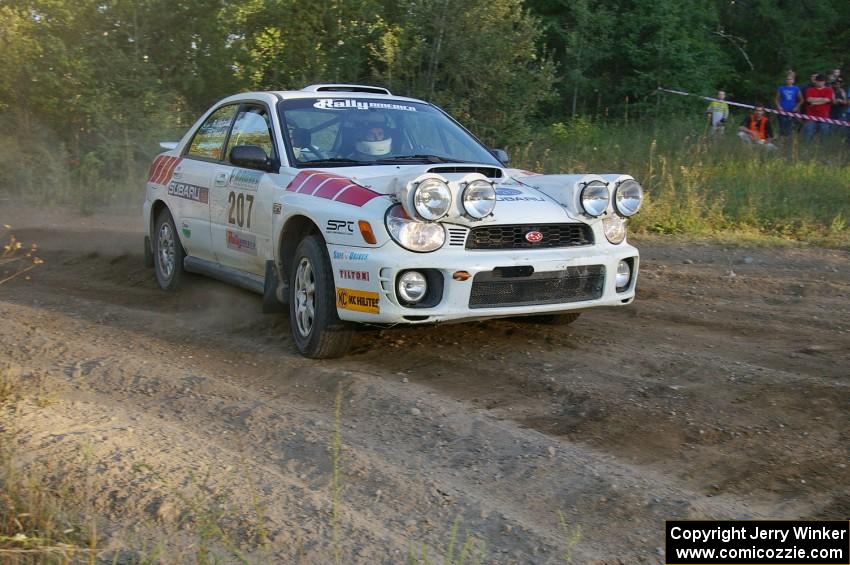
357,300
189,192
239,242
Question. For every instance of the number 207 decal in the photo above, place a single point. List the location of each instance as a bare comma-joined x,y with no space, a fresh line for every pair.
237,205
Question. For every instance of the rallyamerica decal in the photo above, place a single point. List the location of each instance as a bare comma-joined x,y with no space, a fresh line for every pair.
357,300
331,104
244,243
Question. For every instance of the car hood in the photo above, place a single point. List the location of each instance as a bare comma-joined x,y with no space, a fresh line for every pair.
522,196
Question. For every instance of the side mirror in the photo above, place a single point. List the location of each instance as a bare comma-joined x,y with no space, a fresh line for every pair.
501,155
250,157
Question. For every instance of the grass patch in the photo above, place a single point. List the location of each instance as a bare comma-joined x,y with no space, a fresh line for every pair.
709,186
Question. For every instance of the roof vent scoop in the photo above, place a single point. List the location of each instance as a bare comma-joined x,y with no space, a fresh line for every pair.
346,88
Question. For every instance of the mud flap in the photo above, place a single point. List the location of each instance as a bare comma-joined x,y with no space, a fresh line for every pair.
274,292
148,253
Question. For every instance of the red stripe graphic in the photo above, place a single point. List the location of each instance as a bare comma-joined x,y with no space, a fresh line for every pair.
313,182
170,170
163,172
163,163
157,163
357,196
331,187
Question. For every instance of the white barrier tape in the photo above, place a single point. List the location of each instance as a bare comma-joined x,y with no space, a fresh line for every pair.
770,110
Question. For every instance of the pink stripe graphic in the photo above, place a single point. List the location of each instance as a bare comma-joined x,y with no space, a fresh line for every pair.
357,196
331,187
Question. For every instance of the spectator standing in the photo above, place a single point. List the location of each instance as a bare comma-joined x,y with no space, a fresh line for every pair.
789,97
718,112
756,128
818,103
839,103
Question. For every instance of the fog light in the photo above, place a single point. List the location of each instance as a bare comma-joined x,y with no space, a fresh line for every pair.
624,274
412,286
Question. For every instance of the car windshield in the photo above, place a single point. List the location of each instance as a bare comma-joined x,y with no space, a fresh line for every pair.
348,132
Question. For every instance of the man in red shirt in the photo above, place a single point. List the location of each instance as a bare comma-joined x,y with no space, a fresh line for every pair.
818,103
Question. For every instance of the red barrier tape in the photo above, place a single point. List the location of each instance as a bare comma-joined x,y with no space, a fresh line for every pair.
770,110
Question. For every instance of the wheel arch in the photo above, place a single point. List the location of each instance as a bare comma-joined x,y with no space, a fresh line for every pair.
296,228
157,207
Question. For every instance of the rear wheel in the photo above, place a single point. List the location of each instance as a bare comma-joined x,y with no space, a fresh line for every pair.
168,252
316,328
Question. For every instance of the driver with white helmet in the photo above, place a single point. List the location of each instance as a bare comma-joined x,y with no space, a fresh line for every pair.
373,140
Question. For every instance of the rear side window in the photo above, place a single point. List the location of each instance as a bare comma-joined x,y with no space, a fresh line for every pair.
208,142
252,127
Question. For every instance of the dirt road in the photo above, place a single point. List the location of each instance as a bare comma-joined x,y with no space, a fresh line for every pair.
722,392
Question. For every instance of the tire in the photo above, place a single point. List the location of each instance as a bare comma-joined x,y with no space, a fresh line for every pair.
551,319
168,253
311,290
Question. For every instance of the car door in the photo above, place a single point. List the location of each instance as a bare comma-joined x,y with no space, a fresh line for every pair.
189,187
241,200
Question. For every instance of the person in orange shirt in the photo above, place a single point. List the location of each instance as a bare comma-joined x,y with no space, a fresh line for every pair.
756,128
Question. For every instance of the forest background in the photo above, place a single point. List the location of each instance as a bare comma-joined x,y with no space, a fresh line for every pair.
89,87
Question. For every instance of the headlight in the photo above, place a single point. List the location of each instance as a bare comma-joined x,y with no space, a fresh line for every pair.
614,228
479,198
595,198
432,199
628,196
413,234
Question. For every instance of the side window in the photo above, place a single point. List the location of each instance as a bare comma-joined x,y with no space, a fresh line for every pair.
252,127
209,139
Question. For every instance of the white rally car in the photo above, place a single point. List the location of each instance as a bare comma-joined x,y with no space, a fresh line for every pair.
353,205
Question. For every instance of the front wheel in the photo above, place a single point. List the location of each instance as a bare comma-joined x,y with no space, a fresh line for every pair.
316,328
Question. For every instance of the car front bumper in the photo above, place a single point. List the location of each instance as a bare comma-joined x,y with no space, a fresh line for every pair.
372,273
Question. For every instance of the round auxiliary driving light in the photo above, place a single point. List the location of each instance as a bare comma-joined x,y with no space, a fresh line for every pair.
628,197
624,274
412,287
432,199
595,198
479,198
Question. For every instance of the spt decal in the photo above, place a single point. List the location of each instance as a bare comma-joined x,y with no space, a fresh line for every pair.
358,300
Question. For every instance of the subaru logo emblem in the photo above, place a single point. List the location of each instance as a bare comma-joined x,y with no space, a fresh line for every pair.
534,236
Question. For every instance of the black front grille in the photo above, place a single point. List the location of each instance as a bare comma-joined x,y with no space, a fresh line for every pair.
513,236
498,288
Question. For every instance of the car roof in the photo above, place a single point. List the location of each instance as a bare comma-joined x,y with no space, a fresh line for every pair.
313,91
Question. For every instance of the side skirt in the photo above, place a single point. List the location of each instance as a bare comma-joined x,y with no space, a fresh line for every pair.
224,274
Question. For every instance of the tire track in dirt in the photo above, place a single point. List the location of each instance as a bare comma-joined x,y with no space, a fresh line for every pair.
711,396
